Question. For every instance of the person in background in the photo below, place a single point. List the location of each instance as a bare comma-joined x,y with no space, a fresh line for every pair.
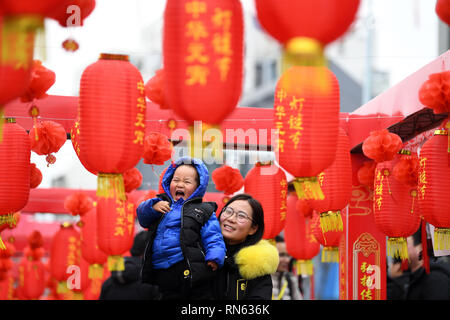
415,283
127,284
285,283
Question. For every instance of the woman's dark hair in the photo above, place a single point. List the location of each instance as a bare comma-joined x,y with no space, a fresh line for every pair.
258,216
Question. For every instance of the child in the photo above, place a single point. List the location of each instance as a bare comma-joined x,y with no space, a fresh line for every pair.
186,244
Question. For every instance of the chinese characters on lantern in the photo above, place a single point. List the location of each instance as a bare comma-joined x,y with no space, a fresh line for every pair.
378,190
283,195
124,220
73,254
139,125
222,41
422,177
367,281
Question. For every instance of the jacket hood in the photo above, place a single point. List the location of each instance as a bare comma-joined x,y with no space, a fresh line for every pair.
257,260
202,171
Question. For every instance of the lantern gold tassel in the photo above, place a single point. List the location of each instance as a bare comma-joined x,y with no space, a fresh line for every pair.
2,245
116,263
201,139
110,185
303,51
331,221
61,287
95,271
304,267
330,254
397,247
308,188
442,238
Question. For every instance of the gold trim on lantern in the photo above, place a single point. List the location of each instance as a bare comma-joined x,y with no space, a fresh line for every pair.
303,51
66,224
10,219
330,255
110,185
308,188
331,221
61,287
404,151
113,56
304,267
397,248
442,238
440,132
95,271
10,120
116,263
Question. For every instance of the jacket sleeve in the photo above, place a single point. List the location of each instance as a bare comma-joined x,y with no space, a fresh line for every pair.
145,213
212,241
259,288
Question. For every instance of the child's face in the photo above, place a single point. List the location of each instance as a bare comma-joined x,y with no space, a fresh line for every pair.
184,182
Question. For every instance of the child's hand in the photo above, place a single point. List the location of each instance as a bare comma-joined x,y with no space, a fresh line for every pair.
212,265
162,206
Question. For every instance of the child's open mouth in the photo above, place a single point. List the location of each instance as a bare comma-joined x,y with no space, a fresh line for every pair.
179,194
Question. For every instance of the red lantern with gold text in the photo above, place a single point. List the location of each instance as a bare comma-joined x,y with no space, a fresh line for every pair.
306,117
64,254
203,59
6,277
336,184
89,244
112,121
267,184
74,136
115,230
305,27
434,183
14,172
300,242
31,269
396,209
329,240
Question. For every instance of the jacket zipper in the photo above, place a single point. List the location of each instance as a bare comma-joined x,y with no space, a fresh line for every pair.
181,238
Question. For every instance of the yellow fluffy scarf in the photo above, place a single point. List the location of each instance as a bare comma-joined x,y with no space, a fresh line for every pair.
257,260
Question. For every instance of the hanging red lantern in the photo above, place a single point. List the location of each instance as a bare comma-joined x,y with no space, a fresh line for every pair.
203,59
366,173
6,286
381,145
336,184
14,172
434,183
154,89
31,269
267,183
305,27
157,149
47,137
64,253
6,263
115,229
306,116
78,203
300,242
443,10
395,208
108,101
329,240
72,13
89,244
74,137
35,176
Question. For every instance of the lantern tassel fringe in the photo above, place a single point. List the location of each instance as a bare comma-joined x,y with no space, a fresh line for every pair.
61,287
397,247
2,245
116,263
442,238
304,267
308,188
110,185
330,254
95,271
10,219
331,221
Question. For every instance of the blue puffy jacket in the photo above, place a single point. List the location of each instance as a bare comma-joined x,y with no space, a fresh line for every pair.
166,249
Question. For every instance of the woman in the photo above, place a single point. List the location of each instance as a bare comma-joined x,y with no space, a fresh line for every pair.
250,260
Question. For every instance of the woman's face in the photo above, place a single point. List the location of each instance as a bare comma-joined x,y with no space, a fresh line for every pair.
236,230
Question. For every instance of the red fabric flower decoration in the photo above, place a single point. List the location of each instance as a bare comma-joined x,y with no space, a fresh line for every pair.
70,45
35,176
406,170
154,89
435,92
35,249
366,173
78,203
157,149
41,80
132,179
227,179
47,137
381,145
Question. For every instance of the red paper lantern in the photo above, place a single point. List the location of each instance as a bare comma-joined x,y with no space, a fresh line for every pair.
366,173
157,148
267,184
65,252
306,116
300,242
381,145
14,172
35,176
78,203
329,240
396,209
73,12
154,89
443,10
6,286
203,58
31,269
115,229
112,121
434,183
336,184
47,137
74,137
227,179
305,27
